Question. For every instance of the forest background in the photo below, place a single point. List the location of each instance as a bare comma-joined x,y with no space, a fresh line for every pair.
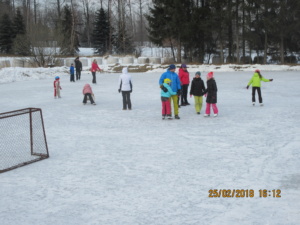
236,31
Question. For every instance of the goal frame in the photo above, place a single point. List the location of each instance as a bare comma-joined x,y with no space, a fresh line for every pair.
40,156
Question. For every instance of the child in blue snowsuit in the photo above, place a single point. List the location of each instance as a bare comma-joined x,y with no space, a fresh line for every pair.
72,72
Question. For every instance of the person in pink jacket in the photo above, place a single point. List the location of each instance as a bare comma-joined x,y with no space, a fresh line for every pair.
184,77
88,93
94,69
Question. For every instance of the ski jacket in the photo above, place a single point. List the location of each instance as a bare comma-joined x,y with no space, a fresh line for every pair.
211,91
255,80
56,84
78,64
169,93
72,69
184,76
95,67
197,87
125,83
175,85
87,89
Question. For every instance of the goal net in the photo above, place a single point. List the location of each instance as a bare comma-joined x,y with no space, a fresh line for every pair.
23,138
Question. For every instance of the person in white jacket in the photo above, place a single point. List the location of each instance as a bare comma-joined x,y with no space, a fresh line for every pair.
125,85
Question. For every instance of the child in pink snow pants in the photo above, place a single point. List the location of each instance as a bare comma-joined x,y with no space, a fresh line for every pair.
211,91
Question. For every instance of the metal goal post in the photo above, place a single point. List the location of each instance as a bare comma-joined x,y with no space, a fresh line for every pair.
23,138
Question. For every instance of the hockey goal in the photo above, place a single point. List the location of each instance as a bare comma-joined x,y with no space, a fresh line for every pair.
23,138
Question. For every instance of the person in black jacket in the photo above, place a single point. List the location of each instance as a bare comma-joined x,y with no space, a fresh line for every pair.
78,67
197,89
211,92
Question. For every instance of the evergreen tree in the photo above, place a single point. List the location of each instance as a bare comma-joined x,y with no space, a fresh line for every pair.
21,44
100,37
6,34
70,42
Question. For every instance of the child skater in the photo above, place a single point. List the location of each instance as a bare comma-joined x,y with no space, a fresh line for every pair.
255,81
88,93
166,93
211,93
72,71
57,87
197,89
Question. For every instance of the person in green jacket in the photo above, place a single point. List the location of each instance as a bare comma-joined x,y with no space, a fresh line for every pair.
255,82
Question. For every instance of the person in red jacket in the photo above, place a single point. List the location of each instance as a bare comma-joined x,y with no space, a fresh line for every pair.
94,69
184,77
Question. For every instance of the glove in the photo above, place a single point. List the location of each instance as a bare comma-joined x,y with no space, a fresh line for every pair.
247,86
271,80
205,95
164,89
119,90
179,92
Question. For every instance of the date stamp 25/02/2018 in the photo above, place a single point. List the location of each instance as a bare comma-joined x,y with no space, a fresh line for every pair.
244,193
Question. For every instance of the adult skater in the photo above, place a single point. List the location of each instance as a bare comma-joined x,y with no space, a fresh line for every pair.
78,67
94,69
125,85
175,85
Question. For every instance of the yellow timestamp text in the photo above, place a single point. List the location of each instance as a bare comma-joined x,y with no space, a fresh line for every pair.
244,193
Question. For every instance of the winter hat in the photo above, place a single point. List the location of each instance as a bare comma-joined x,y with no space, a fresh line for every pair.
57,77
167,80
210,75
198,73
257,71
183,66
172,67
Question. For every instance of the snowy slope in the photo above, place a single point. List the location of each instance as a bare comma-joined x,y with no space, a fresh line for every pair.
109,166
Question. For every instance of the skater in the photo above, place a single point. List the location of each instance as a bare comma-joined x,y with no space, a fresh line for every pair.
72,70
57,87
94,69
78,67
125,85
88,93
211,92
184,77
166,93
197,89
255,81
175,85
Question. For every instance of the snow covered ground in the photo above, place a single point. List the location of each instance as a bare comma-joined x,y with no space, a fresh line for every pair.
109,166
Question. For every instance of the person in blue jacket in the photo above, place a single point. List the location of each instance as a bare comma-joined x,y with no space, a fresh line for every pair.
175,86
166,93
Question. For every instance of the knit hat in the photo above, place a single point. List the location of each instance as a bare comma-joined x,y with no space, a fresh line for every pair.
257,71
183,66
167,80
210,75
172,67
57,77
198,73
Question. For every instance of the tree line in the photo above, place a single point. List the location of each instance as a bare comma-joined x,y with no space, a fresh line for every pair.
194,30
235,28
60,27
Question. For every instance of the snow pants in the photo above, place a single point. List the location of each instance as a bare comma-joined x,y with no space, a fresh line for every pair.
166,106
258,92
198,103
214,107
78,74
126,99
94,78
184,94
175,104
90,97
